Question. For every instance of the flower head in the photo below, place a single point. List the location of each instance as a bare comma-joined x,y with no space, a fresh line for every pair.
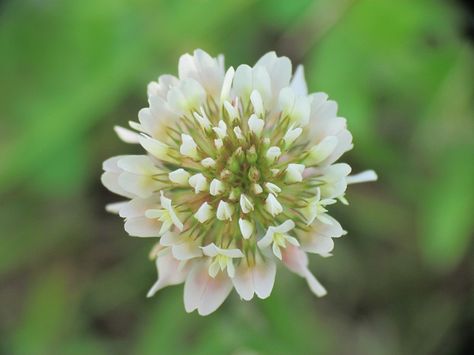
238,171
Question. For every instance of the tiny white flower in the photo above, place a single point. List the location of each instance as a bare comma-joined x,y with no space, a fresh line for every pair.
208,162
188,147
216,187
224,211
246,228
218,143
202,119
257,189
155,147
272,205
279,237
273,153
315,208
246,204
221,129
256,125
166,215
238,133
204,213
179,176
222,259
272,188
199,182
294,173
291,135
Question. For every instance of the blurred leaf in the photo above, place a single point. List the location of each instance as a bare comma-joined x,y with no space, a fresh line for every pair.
46,317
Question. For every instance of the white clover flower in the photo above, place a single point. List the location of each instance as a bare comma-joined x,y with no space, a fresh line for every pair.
238,173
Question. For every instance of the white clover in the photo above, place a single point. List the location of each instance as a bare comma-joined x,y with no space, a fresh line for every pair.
238,173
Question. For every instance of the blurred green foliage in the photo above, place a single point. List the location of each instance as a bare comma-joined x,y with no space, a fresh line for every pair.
399,283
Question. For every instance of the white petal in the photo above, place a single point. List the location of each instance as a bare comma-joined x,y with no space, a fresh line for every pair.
243,281
179,176
231,111
142,227
111,181
272,205
127,135
246,228
264,278
314,285
139,185
298,83
242,84
256,125
115,207
216,187
365,176
246,204
208,163
211,250
257,103
229,76
199,182
291,135
224,211
273,153
186,250
203,292
169,273
188,147
294,173
321,151
204,212
272,188
155,147
138,164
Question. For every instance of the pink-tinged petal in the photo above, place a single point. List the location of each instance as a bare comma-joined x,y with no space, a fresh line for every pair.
111,164
169,239
264,278
142,227
169,273
315,285
329,230
203,292
258,279
297,261
111,181
186,250
318,244
140,185
137,207
243,281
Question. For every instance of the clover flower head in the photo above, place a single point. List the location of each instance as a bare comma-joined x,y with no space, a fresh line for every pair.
237,175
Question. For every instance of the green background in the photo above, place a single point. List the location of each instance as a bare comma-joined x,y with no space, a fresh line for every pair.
401,281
